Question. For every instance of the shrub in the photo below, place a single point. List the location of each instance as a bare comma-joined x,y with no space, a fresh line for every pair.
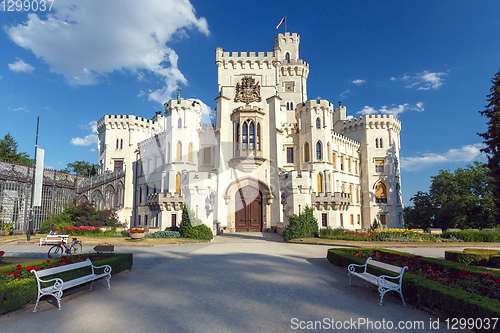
473,236
165,234
477,257
198,231
82,215
302,225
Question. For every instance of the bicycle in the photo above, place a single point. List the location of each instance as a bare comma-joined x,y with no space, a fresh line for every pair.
58,250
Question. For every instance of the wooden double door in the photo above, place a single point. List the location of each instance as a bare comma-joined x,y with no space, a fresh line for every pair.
248,201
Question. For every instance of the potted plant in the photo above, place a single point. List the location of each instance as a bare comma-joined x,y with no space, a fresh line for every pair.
7,228
136,233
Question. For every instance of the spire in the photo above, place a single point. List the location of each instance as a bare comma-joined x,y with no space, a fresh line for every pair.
179,95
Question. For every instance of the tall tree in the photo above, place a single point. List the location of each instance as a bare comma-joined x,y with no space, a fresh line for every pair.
492,140
82,168
9,153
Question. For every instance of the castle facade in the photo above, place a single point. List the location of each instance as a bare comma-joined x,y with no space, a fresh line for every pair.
271,153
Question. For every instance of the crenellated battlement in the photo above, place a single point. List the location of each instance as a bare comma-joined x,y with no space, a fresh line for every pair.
372,121
111,122
346,140
316,104
184,104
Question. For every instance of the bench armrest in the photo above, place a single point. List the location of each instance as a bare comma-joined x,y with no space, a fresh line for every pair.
107,268
382,278
352,267
57,285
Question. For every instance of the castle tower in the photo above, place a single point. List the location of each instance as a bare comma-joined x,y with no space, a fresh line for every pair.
379,136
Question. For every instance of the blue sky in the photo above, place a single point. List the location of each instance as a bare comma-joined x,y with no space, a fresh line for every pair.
428,62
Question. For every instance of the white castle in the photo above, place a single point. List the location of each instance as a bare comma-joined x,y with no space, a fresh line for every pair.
271,153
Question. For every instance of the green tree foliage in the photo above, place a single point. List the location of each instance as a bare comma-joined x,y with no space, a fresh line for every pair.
82,168
82,215
193,227
302,225
492,140
9,153
460,199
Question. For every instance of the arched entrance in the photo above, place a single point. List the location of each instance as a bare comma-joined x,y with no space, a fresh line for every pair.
248,208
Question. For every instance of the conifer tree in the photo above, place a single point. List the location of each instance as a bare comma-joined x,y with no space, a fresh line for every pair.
9,153
492,140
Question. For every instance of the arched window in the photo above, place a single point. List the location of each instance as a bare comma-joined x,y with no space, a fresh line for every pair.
380,193
168,152
252,136
237,138
245,136
319,181
117,143
179,123
328,151
287,57
190,152
258,136
380,142
178,183
179,151
121,143
307,156
376,143
291,105
318,123
288,106
318,151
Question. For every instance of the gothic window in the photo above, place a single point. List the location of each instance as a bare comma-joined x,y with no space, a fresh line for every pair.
291,105
245,136
121,143
379,166
237,136
258,136
190,152
288,106
328,151
252,136
287,57
117,143
334,160
376,143
178,183
380,193
319,181
179,151
318,123
349,165
307,156
380,142
318,151
289,155
342,163
179,123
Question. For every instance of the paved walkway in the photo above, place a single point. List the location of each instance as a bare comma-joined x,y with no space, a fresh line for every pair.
246,282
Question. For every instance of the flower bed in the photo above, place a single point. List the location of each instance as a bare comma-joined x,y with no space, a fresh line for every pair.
446,288
18,285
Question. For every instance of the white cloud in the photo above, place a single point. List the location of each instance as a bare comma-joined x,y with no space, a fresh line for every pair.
20,66
86,40
88,139
19,109
358,82
425,80
207,114
345,94
394,110
466,153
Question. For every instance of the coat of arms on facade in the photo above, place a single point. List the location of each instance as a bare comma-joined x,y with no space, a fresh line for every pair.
248,91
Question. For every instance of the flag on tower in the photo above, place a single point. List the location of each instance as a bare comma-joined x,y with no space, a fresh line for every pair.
282,21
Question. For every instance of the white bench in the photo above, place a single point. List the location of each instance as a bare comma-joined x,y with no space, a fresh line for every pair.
53,239
381,281
58,285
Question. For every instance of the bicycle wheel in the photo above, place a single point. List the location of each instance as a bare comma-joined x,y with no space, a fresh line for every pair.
76,248
56,251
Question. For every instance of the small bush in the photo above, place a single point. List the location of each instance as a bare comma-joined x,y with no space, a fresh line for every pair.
302,225
165,234
199,231
476,257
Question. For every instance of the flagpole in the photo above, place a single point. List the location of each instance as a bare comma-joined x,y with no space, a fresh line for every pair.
30,222
285,23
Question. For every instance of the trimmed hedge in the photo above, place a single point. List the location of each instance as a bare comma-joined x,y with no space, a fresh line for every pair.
165,234
15,295
477,257
439,298
473,236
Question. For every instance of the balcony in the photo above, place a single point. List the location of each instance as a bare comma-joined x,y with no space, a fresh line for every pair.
327,201
168,201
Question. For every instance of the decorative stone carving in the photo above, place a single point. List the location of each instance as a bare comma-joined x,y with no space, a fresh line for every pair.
248,91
